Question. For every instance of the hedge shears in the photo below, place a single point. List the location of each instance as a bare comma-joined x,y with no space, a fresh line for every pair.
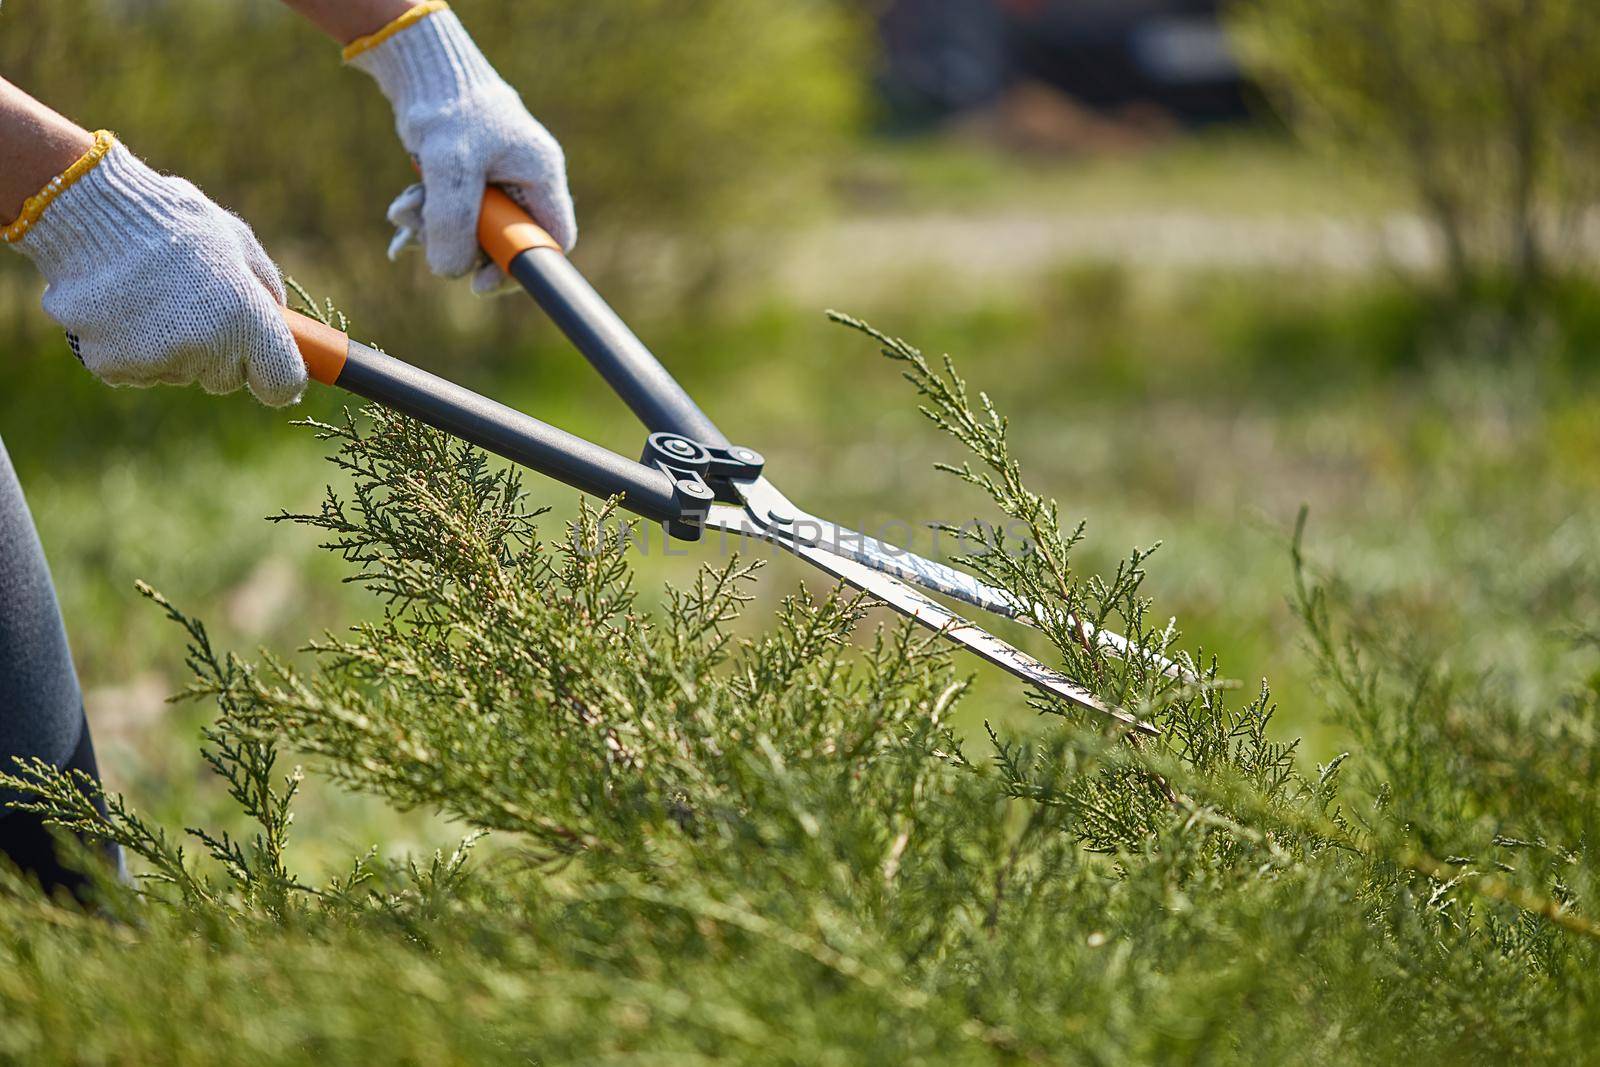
691,478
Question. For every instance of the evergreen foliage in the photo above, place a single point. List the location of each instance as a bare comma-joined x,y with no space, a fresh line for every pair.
775,848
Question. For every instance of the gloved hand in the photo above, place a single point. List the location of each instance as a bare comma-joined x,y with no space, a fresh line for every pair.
155,283
467,129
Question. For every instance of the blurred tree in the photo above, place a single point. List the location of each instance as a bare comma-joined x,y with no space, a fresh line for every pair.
680,119
1489,108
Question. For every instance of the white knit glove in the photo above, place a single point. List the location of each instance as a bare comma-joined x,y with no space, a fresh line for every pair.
467,129
154,283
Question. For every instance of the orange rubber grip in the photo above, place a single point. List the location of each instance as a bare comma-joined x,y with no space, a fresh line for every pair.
323,348
505,231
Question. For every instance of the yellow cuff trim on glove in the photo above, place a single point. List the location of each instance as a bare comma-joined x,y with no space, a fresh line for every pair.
33,207
410,18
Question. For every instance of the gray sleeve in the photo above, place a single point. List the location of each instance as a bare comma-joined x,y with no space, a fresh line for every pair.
41,707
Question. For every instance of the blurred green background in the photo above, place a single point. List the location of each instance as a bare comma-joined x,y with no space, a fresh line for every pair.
1373,299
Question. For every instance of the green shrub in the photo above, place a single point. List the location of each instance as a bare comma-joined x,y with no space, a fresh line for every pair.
776,850
1485,107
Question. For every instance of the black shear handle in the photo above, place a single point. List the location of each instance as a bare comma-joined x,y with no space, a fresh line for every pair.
334,359
531,256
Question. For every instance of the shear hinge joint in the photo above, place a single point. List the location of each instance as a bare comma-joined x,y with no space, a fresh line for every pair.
700,476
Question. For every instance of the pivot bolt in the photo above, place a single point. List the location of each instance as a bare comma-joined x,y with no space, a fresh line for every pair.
696,490
678,446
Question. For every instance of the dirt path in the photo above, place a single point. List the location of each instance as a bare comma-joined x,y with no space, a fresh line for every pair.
882,254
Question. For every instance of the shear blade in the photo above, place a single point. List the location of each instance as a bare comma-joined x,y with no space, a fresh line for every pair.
947,581
935,616
763,500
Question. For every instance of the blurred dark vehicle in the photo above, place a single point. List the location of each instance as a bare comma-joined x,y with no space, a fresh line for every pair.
944,56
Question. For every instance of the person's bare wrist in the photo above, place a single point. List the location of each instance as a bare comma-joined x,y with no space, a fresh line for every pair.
36,145
347,20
